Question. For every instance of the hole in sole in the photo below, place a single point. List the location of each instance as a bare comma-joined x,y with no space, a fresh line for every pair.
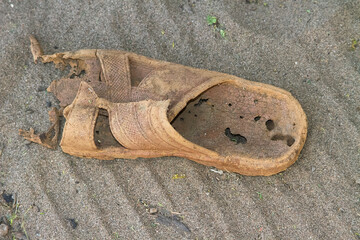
270,125
257,118
290,141
235,137
277,137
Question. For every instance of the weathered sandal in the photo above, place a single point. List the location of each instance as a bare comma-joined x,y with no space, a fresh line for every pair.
122,105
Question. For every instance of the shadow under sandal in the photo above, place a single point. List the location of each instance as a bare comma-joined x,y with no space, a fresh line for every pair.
122,105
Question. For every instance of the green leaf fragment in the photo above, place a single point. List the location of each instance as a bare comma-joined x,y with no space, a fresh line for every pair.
354,44
211,20
178,176
222,33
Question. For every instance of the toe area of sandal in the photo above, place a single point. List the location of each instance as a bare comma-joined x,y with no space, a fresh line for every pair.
257,129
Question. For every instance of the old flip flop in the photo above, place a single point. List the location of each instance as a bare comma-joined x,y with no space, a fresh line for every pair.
122,105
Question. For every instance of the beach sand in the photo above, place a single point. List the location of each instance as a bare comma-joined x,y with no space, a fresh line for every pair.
305,47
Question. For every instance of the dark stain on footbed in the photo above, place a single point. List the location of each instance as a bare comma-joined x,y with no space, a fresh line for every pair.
201,101
235,137
270,125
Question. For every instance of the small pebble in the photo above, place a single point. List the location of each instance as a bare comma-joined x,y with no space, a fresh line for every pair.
153,210
48,103
4,229
358,181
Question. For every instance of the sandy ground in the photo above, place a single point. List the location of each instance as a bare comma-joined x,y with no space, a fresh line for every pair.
304,47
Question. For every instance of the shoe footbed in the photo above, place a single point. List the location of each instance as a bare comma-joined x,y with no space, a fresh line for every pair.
102,134
233,121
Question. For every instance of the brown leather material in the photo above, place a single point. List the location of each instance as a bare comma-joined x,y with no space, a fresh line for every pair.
80,122
50,137
116,71
139,125
123,105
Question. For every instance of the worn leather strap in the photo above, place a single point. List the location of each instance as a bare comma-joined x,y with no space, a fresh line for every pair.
139,125
80,120
116,71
